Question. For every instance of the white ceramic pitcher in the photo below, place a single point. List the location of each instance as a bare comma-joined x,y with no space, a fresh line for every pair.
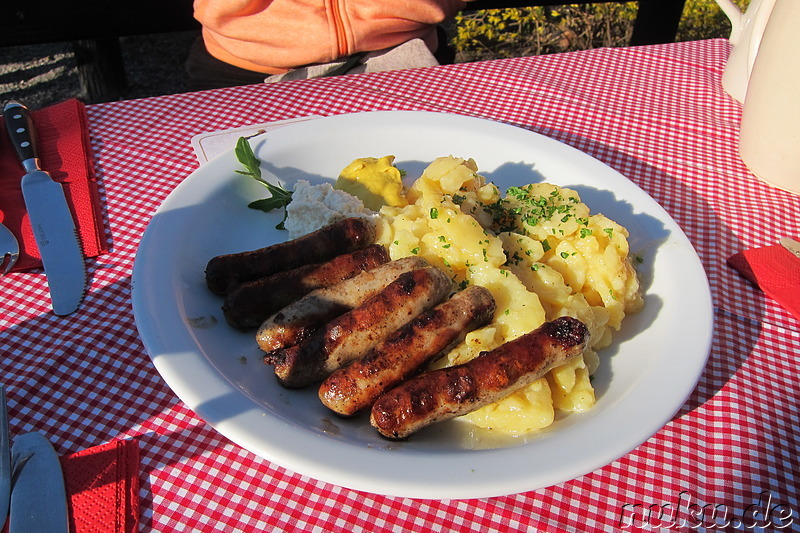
769,141
746,31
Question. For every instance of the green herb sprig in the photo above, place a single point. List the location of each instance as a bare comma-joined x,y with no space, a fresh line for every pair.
279,197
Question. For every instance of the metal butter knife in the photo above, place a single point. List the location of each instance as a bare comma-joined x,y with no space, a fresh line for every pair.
50,217
791,245
5,459
39,498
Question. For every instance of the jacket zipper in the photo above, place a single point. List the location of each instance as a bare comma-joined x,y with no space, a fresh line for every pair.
337,16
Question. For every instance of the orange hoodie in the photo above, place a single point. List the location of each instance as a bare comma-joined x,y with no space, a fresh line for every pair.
273,36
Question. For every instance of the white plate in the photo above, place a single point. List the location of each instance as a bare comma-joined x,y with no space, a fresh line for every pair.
644,378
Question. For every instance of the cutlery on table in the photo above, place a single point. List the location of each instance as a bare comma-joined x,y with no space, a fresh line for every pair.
38,496
5,459
9,250
50,217
791,245
32,491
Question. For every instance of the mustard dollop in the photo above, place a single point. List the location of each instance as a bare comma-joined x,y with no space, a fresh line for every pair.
376,181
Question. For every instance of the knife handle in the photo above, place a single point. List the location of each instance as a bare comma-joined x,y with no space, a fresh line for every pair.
19,124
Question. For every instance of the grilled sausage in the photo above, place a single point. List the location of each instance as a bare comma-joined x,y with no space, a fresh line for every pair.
224,272
299,319
453,391
250,304
421,341
354,333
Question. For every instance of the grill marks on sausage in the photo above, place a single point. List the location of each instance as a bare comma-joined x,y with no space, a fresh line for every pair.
426,338
448,392
249,304
351,335
225,272
298,320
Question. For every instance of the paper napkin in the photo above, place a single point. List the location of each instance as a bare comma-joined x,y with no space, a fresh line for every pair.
775,270
66,154
209,145
103,488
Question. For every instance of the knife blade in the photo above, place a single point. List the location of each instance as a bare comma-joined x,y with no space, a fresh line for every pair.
50,216
38,497
5,459
791,245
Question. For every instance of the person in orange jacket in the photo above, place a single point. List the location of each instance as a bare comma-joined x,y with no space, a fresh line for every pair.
251,41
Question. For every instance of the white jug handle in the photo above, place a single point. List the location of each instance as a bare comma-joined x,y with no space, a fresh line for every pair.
735,15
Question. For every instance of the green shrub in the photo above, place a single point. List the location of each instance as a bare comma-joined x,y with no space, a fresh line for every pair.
498,33
703,19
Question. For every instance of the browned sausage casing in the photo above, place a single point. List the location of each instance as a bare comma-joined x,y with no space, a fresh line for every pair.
250,304
224,272
354,333
454,391
424,339
299,319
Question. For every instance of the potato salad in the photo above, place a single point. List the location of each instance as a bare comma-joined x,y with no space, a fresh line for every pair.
541,253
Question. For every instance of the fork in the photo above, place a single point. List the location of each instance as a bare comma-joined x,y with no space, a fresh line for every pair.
9,249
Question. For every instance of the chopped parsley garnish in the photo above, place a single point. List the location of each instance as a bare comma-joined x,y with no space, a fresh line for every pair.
532,208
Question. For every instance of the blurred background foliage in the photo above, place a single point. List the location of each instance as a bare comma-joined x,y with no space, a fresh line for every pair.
514,32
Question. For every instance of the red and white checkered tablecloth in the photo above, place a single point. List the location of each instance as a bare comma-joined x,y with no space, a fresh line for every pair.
657,114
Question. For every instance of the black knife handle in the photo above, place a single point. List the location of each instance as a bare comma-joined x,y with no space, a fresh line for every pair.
19,124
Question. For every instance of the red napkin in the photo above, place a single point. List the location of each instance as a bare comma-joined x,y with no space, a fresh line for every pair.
103,488
775,270
66,155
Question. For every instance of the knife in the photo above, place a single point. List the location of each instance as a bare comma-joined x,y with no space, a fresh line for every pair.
50,217
38,498
791,245
5,459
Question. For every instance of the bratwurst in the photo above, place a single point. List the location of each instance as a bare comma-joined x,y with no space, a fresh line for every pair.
224,272
248,305
457,390
423,340
302,317
351,335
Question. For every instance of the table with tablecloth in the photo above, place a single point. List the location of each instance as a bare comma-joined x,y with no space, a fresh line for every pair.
656,114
